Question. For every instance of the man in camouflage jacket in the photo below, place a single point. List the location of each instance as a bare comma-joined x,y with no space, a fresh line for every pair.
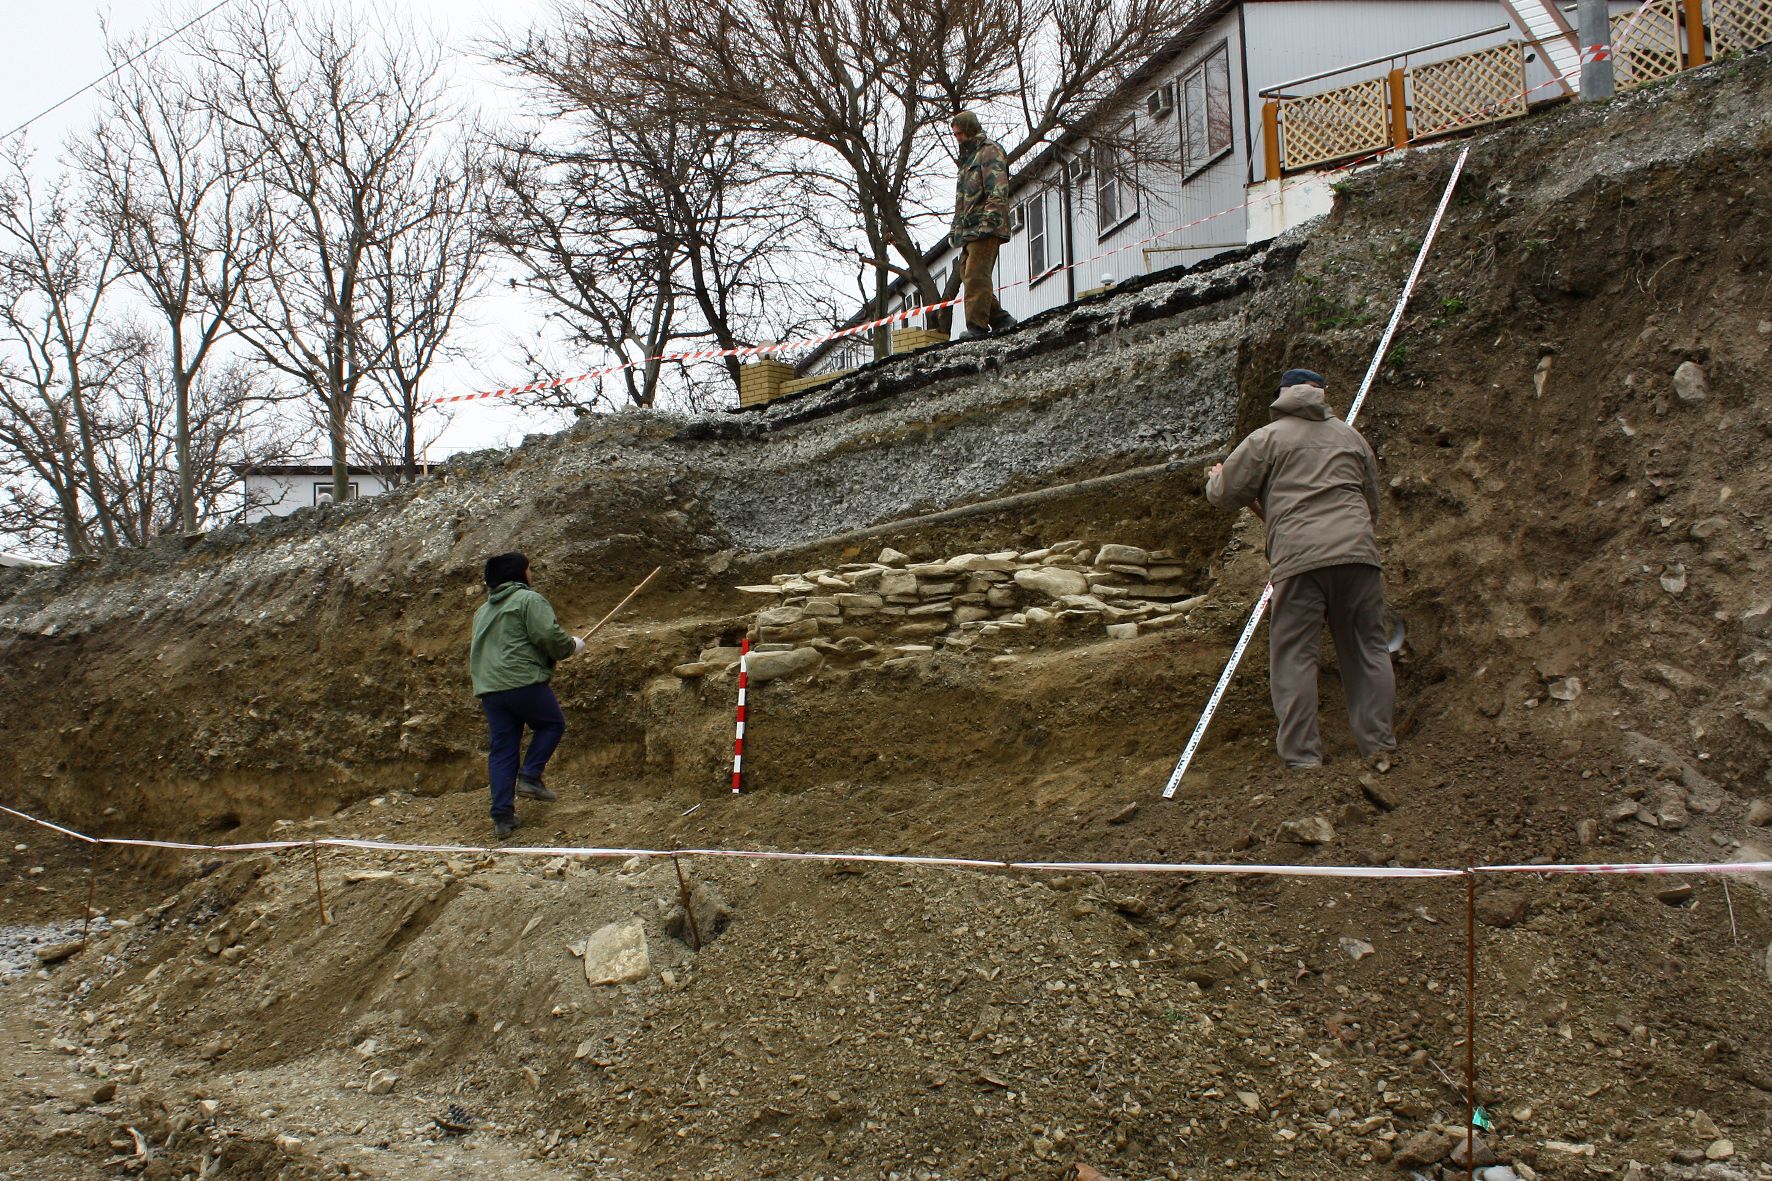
981,223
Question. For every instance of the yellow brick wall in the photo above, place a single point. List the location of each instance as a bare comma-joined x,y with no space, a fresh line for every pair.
761,381
909,340
805,383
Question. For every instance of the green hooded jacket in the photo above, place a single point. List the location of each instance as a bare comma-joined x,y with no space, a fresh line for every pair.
516,640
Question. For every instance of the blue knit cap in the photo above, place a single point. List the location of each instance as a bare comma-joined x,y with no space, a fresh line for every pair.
1301,377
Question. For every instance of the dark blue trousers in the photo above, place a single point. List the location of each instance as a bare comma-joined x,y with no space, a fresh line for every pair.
507,712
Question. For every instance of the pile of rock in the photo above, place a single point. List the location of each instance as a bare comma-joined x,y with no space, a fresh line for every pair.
895,607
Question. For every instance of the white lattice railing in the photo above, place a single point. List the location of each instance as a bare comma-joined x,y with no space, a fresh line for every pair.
1656,40
1333,125
1737,26
1646,43
1467,91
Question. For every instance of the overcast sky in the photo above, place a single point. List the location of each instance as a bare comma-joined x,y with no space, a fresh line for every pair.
54,47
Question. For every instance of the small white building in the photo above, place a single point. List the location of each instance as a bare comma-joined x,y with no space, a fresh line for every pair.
276,490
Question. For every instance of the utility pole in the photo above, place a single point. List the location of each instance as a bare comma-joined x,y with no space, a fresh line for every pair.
1595,20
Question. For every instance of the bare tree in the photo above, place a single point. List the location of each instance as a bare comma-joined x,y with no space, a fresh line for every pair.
339,124
171,189
646,229
56,278
147,463
609,283
867,87
419,280
98,433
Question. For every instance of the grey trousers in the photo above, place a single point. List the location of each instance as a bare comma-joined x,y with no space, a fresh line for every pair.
1351,598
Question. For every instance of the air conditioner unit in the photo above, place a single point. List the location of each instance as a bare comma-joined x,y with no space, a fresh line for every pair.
1161,101
1079,169
1017,216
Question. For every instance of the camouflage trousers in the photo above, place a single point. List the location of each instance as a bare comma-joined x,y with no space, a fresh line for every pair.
978,265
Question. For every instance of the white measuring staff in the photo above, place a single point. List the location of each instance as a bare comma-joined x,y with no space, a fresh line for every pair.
1384,344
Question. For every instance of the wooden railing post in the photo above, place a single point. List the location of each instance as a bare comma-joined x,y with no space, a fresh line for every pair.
1270,136
1399,109
1695,55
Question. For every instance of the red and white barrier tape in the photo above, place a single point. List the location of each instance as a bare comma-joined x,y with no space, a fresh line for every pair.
744,677
1261,605
591,852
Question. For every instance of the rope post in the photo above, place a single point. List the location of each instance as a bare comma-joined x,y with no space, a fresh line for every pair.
688,910
319,891
1470,1024
744,674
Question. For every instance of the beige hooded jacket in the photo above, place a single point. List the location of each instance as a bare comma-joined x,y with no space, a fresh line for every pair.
1317,482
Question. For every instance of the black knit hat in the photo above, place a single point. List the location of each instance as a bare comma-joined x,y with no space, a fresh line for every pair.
503,568
1301,377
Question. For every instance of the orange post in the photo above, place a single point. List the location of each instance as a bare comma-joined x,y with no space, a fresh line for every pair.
1399,110
1695,55
1270,134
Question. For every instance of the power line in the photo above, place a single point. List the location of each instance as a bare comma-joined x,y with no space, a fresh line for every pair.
118,69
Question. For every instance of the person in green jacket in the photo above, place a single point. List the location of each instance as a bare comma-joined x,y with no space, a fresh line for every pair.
516,643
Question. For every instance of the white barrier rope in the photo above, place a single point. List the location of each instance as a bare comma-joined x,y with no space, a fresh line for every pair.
594,852
1384,344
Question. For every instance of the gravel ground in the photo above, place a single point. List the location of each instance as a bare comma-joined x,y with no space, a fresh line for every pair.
19,942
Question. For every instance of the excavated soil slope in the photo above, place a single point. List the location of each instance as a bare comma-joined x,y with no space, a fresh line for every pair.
1573,433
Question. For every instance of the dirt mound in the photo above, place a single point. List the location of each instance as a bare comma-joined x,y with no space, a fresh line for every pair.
1573,431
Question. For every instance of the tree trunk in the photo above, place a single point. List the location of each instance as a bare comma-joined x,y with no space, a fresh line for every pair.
89,464
408,455
882,334
336,412
182,377
187,497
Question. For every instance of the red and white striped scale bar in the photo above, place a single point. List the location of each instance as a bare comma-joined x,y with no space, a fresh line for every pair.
744,676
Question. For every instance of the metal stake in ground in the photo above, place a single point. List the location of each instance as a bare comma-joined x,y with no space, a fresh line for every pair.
744,676
91,891
1470,1024
1384,344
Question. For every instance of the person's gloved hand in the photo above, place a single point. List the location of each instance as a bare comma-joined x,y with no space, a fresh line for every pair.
578,645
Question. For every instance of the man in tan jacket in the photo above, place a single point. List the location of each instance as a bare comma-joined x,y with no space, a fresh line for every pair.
1314,481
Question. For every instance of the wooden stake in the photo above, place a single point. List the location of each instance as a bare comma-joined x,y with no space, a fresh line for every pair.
683,893
623,603
319,891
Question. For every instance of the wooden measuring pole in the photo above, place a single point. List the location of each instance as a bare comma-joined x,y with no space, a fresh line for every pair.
617,608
